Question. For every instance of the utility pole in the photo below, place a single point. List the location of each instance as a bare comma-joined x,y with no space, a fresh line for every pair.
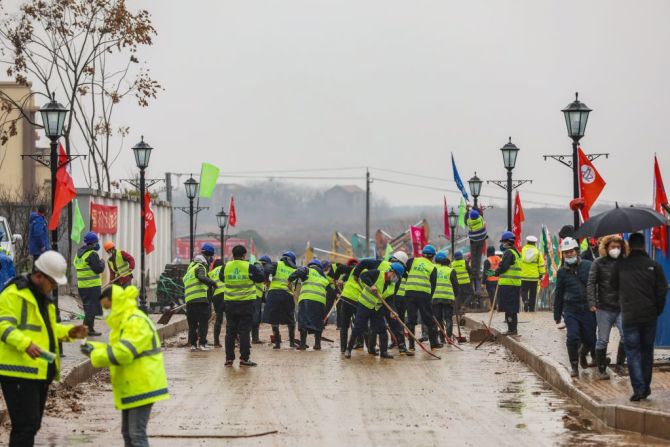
168,197
367,212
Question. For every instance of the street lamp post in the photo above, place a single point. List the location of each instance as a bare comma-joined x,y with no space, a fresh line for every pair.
509,152
475,184
142,151
453,221
191,186
222,220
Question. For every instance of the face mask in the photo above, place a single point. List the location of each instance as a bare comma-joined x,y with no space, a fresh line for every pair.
615,252
106,313
571,261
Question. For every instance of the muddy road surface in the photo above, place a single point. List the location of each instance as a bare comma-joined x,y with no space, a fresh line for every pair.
318,398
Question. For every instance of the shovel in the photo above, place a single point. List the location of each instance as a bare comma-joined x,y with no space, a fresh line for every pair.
165,318
485,334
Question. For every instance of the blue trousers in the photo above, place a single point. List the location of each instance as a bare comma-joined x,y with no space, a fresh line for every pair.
581,328
638,340
365,315
606,320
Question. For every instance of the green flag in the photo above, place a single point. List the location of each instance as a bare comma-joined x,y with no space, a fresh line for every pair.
252,259
209,175
389,252
77,223
461,213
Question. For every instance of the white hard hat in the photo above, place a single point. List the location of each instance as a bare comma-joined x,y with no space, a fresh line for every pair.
53,264
499,253
401,256
569,244
531,239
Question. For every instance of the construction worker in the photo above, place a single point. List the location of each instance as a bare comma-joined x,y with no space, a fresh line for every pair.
463,273
347,306
217,300
261,290
490,264
444,297
311,302
135,361
89,267
421,283
329,270
532,271
196,295
279,303
477,235
377,285
7,268
239,277
29,345
509,284
121,265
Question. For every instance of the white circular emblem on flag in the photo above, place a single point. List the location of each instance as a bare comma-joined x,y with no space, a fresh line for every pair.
588,176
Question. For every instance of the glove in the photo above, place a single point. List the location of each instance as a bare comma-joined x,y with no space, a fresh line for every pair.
86,349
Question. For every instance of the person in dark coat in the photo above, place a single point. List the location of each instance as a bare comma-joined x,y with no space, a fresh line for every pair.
509,282
603,300
279,302
571,302
642,287
38,233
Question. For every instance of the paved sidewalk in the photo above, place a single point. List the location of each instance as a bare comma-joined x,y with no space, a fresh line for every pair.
542,345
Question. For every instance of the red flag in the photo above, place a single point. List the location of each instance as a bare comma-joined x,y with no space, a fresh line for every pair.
591,183
149,225
232,217
447,229
418,235
518,220
65,191
659,236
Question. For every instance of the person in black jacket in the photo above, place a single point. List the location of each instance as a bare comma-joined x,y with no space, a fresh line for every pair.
603,300
572,303
642,287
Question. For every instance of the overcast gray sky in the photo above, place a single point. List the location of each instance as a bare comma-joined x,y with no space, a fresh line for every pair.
273,85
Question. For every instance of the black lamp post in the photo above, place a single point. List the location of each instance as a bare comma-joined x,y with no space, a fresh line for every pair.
453,221
142,151
509,153
191,186
576,116
475,184
222,220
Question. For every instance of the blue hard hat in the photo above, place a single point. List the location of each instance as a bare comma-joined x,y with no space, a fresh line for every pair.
315,262
440,256
428,250
265,258
90,238
458,255
474,214
325,264
398,269
289,254
507,236
207,248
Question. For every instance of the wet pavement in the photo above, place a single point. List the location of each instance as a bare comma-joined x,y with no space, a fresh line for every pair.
309,398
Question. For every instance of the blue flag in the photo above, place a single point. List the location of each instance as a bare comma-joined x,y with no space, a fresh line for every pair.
457,178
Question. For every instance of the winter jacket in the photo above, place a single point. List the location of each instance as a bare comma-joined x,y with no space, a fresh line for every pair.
641,285
7,270
93,260
599,287
571,289
38,234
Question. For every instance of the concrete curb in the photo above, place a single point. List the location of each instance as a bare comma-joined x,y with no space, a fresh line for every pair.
621,417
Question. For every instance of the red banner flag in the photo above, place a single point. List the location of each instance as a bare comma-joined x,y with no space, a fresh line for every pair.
418,240
591,183
104,218
232,216
65,191
447,229
659,236
519,218
149,225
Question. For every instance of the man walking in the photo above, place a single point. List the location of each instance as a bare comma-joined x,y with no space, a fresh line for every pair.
532,271
121,265
38,234
642,287
89,267
196,295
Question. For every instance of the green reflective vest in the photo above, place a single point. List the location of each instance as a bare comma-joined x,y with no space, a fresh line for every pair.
238,284
370,300
401,288
532,263
120,267
280,278
512,277
444,289
194,290
461,271
314,287
260,290
418,278
86,277
214,276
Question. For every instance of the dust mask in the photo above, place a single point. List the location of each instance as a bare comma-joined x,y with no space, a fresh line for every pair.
571,261
614,252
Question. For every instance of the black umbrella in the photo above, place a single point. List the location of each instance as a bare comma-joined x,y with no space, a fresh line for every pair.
621,220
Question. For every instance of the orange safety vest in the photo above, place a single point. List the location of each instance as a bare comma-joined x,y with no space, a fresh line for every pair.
495,262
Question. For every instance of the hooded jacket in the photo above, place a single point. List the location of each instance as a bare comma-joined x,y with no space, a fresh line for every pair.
571,288
599,287
38,234
133,354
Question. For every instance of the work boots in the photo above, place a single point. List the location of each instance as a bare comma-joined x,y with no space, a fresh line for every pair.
620,355
317,341
601,360
350,346
254,335
383,343
402,350
573,355
583,361
303,341
372,343
277,337
291,335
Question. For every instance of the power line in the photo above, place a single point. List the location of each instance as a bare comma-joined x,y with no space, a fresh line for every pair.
271,177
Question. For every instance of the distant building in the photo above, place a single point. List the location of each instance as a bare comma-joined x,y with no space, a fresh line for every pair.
343,196
21,174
